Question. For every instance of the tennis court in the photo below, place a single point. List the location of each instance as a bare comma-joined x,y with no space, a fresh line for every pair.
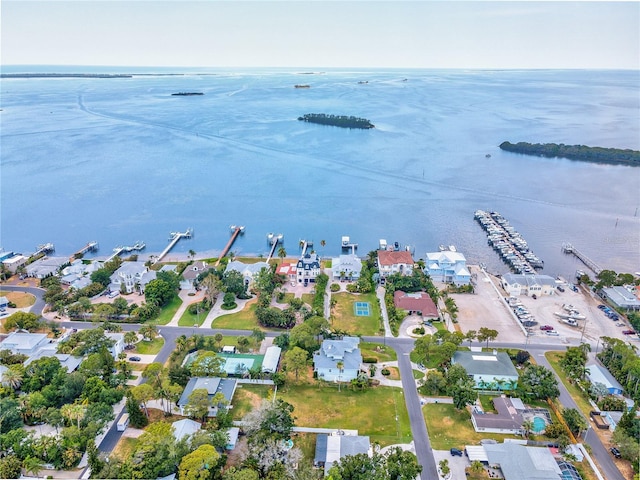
361,309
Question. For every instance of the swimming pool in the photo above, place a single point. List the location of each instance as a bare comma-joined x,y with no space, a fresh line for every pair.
539,424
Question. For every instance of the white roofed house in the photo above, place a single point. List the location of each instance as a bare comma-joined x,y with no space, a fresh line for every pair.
331,448
213,385
489,370
118,345
346,267
249,271
271,359
448,267
46,266
390,262
333,352
521,284
24,343
192,272
130,275
308,268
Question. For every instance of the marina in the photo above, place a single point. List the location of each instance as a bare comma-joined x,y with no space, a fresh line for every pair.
509,244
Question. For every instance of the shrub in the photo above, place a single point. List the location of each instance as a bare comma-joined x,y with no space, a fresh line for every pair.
369,360
386,372
335,287
352,288
419,331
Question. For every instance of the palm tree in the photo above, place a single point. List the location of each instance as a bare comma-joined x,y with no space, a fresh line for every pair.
130,338
282,252
32,465
527,427
322,243
73,411
149,332
192,253
181,343
340,366
12,377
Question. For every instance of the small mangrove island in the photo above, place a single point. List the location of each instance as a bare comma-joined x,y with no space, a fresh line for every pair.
612,156
343,121
186,94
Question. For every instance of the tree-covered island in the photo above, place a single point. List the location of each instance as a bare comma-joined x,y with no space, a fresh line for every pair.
343,121
613,156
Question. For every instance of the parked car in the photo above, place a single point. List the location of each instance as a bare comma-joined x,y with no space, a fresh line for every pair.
552,333
455,452
560,288
135,359
546,327
629,332
615,452
129,347
602,307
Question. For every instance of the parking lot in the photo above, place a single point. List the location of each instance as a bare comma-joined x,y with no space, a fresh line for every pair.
486,308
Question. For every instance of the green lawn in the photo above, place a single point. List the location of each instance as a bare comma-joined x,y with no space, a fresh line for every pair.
345,319
21,299
372,412
554,359
188,319
308,298
150,348
287,297
245,319
168,311
417,374
450,428
125,447
248,397
382,352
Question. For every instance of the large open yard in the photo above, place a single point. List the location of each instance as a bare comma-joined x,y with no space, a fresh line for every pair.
245,319
345,319
21,299
168,311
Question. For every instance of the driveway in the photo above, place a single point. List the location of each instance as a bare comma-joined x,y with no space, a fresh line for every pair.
456,464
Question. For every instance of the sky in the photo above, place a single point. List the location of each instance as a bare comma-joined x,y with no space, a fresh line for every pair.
330,33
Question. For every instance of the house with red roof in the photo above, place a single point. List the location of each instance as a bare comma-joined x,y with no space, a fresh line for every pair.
418,303
391,261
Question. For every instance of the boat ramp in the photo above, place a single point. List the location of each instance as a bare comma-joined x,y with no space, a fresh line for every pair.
509,244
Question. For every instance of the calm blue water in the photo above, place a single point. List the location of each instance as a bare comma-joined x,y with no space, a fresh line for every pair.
120,160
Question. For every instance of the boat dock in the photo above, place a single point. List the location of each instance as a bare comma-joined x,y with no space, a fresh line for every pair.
348,245
174,237
569,248
44,248
273,240
89,247
509,244
235,231
127,249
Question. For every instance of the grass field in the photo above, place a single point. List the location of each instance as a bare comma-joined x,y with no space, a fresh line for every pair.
372,412
248,397
345,319
450,428
382,352
150,348
125,447
245,319
308,298
286,298
21,299
188,319
167,312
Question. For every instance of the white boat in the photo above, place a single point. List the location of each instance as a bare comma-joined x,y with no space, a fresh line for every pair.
576,315
452,248
568,307
570,321
562,315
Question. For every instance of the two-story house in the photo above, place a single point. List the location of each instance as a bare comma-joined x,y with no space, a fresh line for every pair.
448,267
249,271
130,274
338,360
391,261
346,267
308,268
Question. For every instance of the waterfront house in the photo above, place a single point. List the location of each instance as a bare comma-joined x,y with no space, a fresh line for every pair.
249,271
331,448
508,420
333,352
521,284
190,274
391,261
128,275
288,270
346,267
308,268
24,343
597,373
489,370
416,303
213,385
14,262
447,267
46,266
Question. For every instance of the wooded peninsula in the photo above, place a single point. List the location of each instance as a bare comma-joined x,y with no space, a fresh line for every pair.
612,156
343,121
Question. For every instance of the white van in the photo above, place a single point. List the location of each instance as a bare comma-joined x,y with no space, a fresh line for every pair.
123,423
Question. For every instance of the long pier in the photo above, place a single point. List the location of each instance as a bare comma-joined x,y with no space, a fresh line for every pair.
89,247
569,248
274,240
235,231
174,237
120,249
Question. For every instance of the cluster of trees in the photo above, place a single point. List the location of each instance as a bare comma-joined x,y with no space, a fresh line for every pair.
613,156
343,121
365,283
627,437
396,464
573,364
23,321
610,278
623,362
78,405
266,284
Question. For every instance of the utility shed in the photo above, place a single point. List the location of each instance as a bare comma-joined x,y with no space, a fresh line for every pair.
271,359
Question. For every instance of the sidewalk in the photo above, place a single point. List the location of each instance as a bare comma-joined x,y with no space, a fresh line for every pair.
187,300
217,311
383,311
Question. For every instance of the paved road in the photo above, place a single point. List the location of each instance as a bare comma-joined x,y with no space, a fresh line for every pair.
402,348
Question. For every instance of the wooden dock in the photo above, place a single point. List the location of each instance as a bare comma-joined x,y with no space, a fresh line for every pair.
569,248
89,247
274,240
235,231
174,237
126,249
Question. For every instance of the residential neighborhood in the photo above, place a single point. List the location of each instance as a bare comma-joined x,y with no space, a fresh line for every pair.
380,360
